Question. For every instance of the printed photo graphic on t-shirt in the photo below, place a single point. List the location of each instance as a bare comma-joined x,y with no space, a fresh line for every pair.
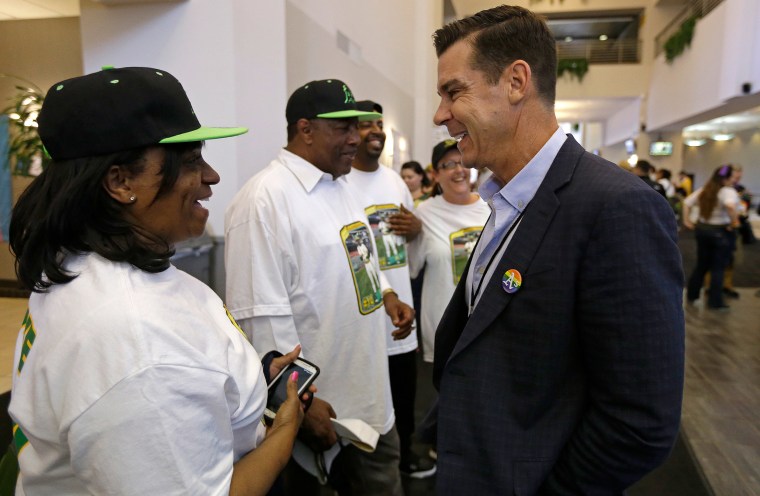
462,243
361,258
391,248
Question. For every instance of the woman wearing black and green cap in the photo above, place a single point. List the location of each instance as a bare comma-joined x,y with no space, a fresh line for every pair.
130,375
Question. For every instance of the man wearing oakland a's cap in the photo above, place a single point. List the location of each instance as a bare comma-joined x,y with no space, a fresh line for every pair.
297,245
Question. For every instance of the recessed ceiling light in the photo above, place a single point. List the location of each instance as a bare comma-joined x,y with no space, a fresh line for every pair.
695,142
722,136
603,37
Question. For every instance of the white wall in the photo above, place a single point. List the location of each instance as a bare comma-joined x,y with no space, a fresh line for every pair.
623,124
384,72
384,31
712,71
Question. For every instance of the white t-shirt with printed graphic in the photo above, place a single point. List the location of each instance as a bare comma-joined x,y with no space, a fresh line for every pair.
134,383
449,234
297,249
382,193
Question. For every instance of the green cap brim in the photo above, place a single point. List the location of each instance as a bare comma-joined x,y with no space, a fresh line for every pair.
205,133
373,116
347,114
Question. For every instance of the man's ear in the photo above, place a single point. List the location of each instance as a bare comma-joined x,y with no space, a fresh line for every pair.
117,184
517,78
306,130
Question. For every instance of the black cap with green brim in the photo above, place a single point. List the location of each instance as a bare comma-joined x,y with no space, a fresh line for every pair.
370,106
441,149
120,109
324,99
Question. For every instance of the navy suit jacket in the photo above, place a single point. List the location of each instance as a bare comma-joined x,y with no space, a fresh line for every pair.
572,384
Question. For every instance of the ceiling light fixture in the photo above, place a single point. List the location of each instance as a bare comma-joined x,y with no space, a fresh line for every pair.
603,37
722,136
568,39
695,142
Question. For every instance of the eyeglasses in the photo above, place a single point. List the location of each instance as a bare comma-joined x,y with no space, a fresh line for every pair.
451,164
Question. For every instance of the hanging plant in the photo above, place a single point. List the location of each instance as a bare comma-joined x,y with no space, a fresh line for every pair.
574,67
680,40
25,151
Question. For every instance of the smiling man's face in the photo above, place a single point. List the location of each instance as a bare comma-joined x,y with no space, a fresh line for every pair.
372,138
474,111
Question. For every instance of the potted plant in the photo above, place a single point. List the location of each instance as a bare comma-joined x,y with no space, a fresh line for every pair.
26,153
573,67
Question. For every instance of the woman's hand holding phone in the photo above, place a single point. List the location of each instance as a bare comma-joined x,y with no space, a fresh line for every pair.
291,412
280,363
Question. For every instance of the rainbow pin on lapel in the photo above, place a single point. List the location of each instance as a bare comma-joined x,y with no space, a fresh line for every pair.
511,281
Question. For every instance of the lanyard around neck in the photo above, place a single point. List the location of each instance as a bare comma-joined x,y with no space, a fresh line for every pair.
475,292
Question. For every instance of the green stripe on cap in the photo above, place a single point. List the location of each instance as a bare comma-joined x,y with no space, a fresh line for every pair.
345,114
205,133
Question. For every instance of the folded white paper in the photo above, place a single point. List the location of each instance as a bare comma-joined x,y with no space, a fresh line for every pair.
354,431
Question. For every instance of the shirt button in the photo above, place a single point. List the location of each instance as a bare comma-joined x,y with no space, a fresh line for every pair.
520,204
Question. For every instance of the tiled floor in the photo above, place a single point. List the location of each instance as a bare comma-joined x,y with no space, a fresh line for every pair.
722,393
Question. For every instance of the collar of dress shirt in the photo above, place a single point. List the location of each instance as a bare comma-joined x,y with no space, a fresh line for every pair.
518,192
307,173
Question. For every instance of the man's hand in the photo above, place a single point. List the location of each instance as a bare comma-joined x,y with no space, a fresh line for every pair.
280,363
405,224
401,314
317,431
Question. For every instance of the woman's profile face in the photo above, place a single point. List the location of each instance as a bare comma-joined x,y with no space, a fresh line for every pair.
177,214
412,179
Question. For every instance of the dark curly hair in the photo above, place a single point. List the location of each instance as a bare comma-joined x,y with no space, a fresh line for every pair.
66,209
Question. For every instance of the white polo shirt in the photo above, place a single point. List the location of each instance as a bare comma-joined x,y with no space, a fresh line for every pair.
302,268
382,193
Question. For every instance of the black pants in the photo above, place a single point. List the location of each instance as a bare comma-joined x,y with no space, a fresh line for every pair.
715,246
403,375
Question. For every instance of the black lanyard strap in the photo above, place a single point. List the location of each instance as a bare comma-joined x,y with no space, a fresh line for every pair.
475,292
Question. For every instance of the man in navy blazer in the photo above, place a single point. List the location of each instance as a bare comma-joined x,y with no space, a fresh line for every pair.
560,358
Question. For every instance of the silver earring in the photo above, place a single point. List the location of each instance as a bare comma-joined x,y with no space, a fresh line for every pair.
132,198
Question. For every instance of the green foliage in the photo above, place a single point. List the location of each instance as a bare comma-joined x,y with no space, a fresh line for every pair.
680,40
25,143
573,67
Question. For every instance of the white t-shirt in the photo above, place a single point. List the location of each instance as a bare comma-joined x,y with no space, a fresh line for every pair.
449,234
727,197
383,192
135,383
302,268
670,190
